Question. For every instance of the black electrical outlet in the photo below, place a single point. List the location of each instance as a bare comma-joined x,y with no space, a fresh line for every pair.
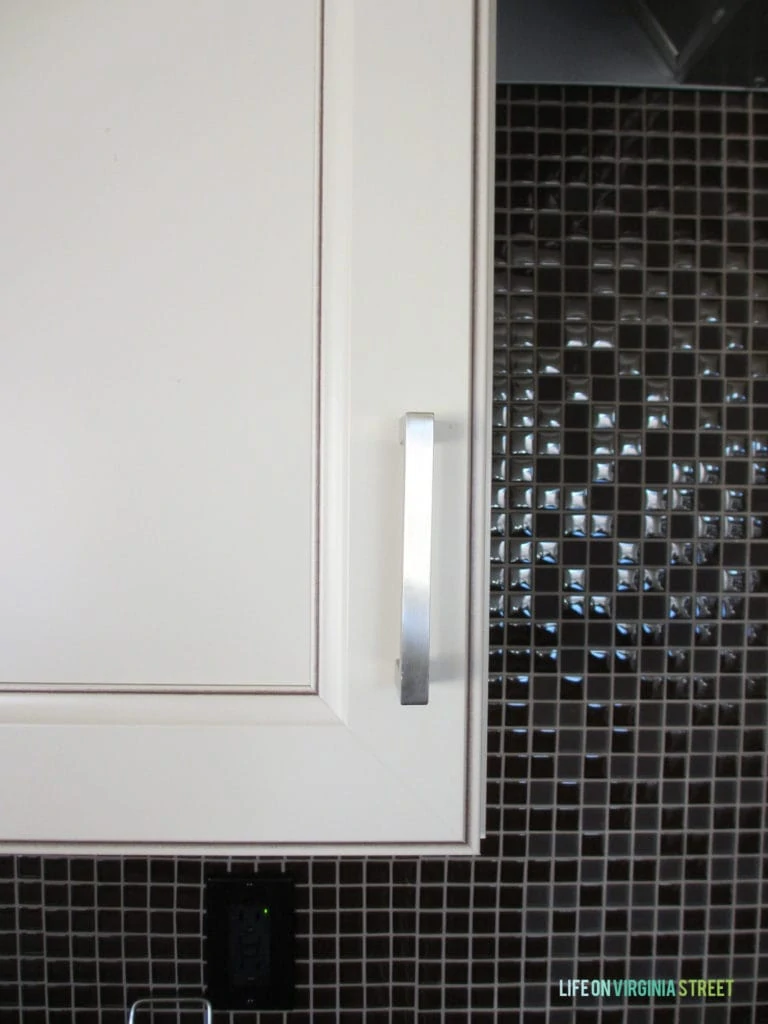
249,942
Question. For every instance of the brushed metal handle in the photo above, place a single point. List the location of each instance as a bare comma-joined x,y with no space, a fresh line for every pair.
418,437
191,1002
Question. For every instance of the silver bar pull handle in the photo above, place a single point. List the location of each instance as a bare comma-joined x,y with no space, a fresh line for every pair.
418,436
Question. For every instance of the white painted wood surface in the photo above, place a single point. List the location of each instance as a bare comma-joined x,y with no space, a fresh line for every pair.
240,240
157,320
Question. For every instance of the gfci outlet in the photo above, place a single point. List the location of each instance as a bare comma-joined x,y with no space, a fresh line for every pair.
249,942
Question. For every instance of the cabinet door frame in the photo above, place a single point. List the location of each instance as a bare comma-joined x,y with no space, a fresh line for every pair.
76,753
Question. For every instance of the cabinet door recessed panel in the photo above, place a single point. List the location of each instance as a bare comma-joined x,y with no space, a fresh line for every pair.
158,342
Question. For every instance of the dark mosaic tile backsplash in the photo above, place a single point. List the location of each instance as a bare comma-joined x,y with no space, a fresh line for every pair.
629,630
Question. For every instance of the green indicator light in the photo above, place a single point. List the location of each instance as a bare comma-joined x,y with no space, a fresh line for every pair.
266,910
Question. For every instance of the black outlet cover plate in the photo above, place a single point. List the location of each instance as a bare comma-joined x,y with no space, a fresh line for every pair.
249,941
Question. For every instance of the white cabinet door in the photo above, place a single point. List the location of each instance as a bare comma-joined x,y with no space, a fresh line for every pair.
240,240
